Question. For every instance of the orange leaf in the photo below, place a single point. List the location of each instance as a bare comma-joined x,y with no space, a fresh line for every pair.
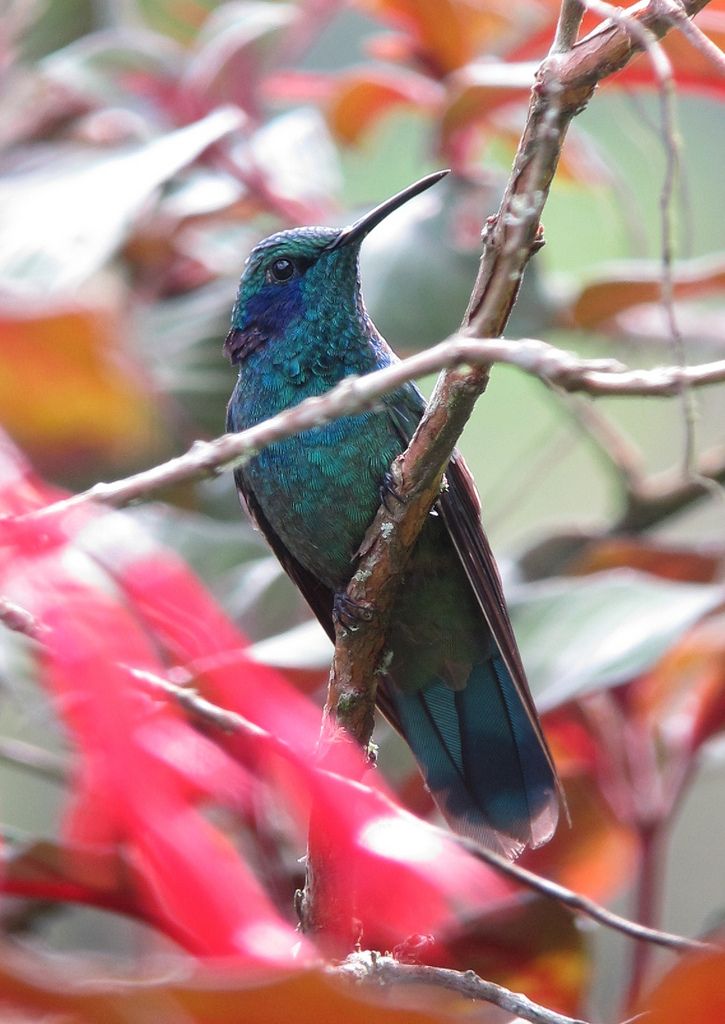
693,991
69,387
445,34
223,996
684,696
478,91
362,98
632,284
671,563
691,68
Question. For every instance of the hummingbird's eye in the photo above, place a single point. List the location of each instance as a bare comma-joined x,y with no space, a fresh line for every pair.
281,270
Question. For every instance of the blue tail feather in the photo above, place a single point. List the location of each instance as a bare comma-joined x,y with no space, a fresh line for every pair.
479,753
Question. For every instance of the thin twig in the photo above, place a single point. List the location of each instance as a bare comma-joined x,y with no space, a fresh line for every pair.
19,620
679,348
675,12
35,759
567,27
197,707
368,967
355,394
657,498
582,904
662,69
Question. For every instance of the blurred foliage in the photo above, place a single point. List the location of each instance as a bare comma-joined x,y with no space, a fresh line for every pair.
146,145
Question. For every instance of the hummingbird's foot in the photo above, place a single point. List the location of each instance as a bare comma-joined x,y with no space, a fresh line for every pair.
350,614
388,490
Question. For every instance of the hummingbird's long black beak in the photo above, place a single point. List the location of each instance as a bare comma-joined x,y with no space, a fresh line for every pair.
357,231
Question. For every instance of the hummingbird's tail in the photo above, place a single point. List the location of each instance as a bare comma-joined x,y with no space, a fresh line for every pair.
481,758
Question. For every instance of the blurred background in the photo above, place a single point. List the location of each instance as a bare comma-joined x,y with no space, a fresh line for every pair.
146,145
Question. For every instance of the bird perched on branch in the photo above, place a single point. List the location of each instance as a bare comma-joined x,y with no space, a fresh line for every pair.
454,685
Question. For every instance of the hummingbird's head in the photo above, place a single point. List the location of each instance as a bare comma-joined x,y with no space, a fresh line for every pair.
304,277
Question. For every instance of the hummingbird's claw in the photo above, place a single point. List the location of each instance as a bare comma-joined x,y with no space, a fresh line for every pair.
349,613
388,490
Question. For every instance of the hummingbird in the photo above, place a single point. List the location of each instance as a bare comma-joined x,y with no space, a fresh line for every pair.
454,685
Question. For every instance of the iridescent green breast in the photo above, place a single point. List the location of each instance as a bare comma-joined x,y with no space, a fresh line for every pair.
320,490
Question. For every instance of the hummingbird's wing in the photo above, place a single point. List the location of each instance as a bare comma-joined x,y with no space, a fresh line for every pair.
318,596
460,507
530,765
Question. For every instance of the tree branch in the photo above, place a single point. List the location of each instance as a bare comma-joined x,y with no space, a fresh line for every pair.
35,759
653,499
567,26
367,967
355,394
676,13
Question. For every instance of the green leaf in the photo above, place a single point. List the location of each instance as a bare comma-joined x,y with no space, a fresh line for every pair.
178,19
48,24
582,635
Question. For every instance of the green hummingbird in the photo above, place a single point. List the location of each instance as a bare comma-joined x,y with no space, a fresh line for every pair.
454,685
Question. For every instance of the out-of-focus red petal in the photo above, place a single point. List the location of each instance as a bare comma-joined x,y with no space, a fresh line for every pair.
119,613
198,636
196,885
